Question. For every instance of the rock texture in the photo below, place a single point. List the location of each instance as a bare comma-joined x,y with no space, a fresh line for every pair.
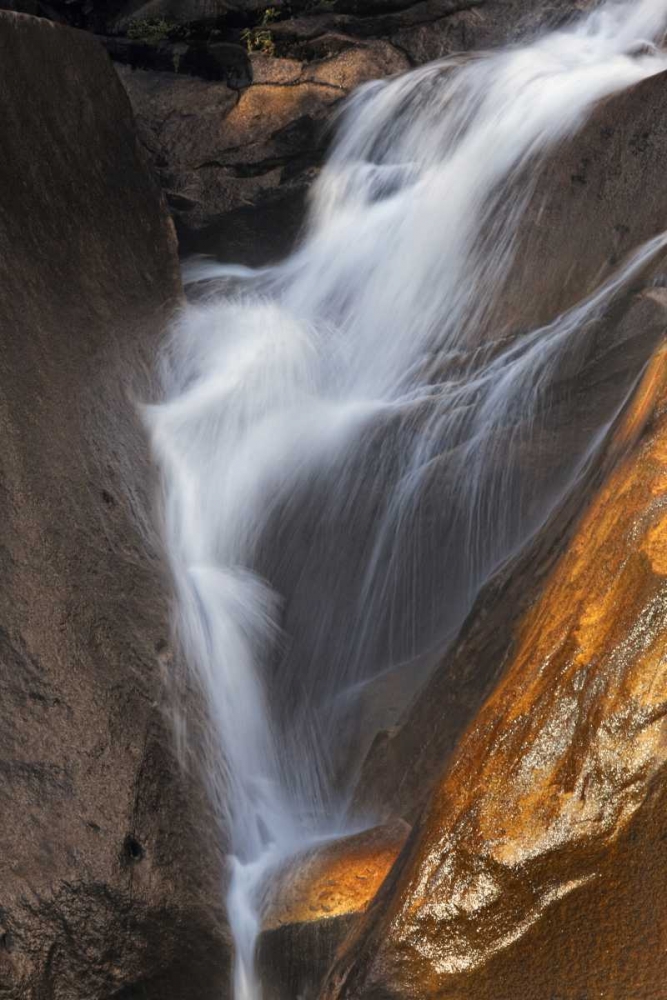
236,154
315,901
236,163
539,866
107,888
576,234
278,69
598,198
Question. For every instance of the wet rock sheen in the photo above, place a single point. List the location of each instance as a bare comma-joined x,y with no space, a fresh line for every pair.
539,863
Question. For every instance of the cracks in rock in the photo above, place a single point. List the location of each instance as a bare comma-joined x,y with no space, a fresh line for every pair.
246,171
376,25
300,82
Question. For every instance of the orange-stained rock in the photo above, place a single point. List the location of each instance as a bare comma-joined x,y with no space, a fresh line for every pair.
573,235
539,868
315,901
405,762
337,879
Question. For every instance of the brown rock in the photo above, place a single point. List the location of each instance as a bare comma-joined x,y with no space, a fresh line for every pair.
269,69
249,206
482,26
377,20
174,11
351,68
572,239
180,118
107,888
539,864
239,166
313,903
599,198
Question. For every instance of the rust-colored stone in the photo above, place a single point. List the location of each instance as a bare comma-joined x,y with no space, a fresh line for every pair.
338,879
538,868
405,763
572,237
313,903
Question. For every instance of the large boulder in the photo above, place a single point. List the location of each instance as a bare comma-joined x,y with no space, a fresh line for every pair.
574,236
108,886
598,198
539,865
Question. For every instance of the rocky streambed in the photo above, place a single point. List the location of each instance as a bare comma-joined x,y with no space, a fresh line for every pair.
521,792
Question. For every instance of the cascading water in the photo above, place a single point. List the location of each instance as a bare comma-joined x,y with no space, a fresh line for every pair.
343,436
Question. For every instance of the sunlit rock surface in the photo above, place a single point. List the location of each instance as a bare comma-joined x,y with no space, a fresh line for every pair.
223,150
315,901
106,886
539,866
573,237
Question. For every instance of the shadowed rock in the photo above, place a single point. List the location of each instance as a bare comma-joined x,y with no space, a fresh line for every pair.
599,197
107,887
243,198
222,154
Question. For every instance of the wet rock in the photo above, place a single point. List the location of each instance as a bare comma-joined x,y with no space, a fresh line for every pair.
571,242
236,167
108,887
538,866
255,215
482,27
406,760
313,904
598,198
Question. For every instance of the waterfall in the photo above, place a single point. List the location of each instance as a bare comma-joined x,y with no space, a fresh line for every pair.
345,437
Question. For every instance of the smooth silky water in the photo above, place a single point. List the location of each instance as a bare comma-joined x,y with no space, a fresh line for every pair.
342,436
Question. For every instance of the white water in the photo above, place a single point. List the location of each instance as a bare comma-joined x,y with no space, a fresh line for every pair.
344,463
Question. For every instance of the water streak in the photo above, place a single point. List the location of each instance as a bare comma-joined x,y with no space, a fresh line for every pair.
347,441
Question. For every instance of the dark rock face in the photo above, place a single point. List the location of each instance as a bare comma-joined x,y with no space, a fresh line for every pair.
107,887
571,241
598,199
180,11
90,14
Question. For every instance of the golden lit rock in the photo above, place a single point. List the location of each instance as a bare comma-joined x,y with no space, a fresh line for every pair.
539,868
315,901
338,879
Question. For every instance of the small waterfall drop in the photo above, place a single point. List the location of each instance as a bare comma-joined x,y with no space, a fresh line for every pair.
343,436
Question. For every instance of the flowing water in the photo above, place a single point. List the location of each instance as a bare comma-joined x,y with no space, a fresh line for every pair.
345,438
